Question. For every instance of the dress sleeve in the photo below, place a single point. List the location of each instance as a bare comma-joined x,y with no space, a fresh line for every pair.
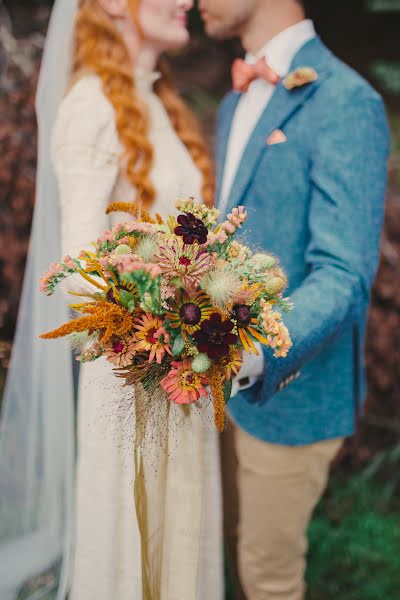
85,155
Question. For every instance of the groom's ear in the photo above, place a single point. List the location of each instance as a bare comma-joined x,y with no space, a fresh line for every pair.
114,8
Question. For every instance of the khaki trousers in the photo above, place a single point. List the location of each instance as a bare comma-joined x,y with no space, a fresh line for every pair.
270,492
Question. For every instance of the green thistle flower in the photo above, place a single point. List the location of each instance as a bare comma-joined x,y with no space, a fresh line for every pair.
146,248
274,285
262,262
123,249
201,363
221,286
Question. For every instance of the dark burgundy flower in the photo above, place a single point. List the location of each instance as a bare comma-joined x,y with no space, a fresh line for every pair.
191,229
190,313
241,313
215,336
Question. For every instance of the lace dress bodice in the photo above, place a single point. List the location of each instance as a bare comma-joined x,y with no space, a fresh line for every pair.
86,155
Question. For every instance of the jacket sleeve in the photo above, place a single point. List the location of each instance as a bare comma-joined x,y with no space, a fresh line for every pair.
349,173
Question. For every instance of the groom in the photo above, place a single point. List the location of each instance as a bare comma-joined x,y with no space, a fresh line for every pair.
303,144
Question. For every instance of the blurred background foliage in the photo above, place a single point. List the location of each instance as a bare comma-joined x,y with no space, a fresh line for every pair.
355,534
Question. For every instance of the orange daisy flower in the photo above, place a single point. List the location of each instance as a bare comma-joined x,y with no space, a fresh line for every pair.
231,363
241,315
152,337
120,351
187,312
183,385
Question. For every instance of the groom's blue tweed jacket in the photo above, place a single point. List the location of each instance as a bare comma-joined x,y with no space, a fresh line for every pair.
317,202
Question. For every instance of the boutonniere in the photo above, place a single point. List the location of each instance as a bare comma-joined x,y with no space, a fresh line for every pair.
299,77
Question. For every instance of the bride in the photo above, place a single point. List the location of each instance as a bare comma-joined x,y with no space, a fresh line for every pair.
120,133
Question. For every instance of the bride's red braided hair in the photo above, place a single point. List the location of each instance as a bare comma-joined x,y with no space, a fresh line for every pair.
99,48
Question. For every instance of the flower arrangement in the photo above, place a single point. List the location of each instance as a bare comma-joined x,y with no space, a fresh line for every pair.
300,77
175,303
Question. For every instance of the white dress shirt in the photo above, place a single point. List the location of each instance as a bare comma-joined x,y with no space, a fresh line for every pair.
279,53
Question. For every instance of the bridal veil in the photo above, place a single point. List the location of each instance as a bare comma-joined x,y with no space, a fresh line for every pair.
37,422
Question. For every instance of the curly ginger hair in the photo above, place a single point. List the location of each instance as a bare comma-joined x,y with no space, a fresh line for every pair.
99,48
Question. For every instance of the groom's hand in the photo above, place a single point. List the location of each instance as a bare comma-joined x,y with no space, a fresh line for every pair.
251,371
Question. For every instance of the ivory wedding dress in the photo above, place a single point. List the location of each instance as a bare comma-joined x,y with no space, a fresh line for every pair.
107,562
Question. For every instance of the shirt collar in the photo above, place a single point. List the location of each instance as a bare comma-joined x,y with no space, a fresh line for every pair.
281,50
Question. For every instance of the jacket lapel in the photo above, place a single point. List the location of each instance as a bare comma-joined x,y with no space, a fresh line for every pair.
283,105
224,127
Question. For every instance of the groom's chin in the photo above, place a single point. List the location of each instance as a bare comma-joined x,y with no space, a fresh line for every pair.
215,28
217,31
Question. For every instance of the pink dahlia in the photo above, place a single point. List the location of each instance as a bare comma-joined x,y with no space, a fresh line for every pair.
121,351
187,262
152,337
182,385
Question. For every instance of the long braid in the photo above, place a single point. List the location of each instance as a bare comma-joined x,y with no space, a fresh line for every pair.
188,129
99,48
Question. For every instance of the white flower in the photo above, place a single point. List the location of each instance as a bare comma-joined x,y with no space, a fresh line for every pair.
221,285
146,248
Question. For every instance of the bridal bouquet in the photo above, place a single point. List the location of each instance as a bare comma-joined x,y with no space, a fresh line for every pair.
174,304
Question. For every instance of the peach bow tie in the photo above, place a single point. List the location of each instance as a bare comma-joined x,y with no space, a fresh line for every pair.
243,74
